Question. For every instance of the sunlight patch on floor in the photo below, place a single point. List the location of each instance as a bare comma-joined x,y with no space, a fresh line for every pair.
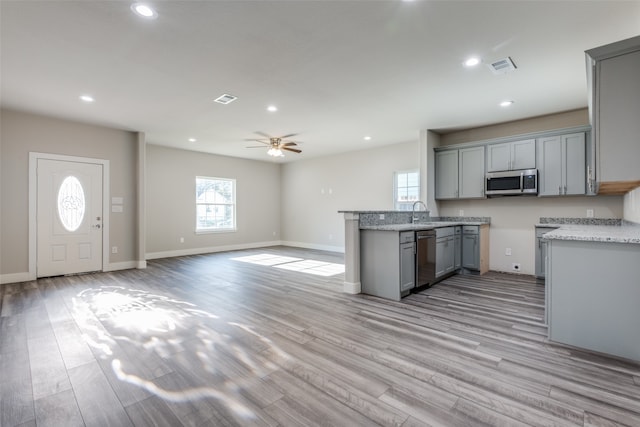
309,266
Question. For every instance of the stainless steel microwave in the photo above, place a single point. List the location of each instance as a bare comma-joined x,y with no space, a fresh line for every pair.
518,182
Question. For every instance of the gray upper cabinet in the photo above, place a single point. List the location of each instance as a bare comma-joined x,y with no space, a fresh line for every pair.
614,105
460,173
471,172
562,165
511,155
447,174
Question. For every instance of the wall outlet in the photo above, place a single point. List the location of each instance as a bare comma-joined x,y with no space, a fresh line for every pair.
515,266
461,212
274,234
507,252
182,240
381,216
589,213
114,249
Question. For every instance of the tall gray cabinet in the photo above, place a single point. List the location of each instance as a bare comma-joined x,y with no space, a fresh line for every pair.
614,105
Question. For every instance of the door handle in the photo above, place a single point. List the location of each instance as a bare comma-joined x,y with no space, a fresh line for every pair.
96,226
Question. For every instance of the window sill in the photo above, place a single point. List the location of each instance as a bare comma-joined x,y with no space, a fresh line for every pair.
217,231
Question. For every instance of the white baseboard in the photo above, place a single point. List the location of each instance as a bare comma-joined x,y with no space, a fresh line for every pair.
16,277
210,249
115,266
328,248
352,288
26,276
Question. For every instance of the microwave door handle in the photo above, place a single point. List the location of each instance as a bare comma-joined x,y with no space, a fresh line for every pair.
522,182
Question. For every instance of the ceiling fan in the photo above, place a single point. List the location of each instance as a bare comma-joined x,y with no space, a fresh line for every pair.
276,144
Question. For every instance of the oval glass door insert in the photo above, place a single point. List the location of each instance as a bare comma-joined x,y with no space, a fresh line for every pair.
71,203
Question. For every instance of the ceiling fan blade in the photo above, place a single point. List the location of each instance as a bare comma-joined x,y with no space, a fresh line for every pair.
261,141
263,134
288,144
295,150
287,136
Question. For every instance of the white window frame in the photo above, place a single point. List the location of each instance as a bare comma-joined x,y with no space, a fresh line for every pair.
397,205
206,230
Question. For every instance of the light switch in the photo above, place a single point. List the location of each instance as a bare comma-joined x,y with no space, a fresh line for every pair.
116,208
117,200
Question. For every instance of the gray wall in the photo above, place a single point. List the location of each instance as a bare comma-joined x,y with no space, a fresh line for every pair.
22,133
170,202
313,191
513,220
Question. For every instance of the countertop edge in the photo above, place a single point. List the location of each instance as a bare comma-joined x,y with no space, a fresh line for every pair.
626,234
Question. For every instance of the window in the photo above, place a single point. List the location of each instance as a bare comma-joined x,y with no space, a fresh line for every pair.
71,204
406,189
215,204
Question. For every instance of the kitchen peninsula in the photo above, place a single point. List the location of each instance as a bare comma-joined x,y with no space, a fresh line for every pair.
382,250
593,287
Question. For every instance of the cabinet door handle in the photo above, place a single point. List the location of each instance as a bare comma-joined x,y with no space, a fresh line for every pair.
565,189
560,189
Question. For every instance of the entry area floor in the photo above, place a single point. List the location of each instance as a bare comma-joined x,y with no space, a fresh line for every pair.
266,337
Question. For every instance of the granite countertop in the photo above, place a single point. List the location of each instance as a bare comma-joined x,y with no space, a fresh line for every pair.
596,233
591,230
420,225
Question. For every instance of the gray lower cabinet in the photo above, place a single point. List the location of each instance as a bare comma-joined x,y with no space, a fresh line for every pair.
471,247
387,263
593,294
407,266
457,264
445,251
541,251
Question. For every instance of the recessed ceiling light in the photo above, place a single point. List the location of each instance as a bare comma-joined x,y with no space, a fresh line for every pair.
506,103
272,108
192,140
144,10
367,138
86,98
471,62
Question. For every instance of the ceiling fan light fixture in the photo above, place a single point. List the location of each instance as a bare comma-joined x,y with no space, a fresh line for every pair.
275,152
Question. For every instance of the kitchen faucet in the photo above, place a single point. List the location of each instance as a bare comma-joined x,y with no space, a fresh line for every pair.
414,218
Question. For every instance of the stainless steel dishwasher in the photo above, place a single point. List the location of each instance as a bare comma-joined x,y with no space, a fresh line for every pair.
425,257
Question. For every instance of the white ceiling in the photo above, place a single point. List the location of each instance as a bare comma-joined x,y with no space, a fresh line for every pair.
337,70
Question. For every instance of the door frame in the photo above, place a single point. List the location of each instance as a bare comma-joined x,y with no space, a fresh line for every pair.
33,188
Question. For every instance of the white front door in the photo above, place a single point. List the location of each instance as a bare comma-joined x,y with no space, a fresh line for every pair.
69,217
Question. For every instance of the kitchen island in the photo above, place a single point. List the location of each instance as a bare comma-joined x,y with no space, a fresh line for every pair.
593,287
380,248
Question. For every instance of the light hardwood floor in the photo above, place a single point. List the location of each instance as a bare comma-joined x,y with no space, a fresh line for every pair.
213,340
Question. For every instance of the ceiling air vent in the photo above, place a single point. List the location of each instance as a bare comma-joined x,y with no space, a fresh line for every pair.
502,66
225,99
